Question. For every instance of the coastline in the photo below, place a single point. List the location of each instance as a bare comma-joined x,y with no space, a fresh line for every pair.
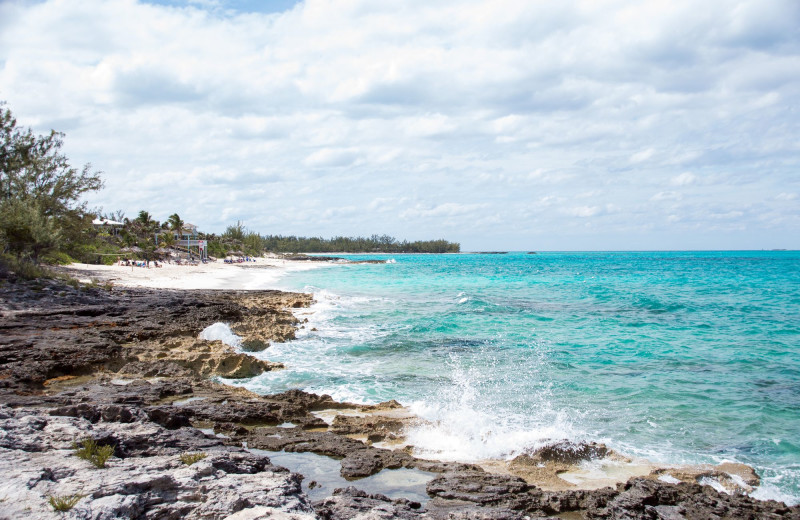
141,354
258,273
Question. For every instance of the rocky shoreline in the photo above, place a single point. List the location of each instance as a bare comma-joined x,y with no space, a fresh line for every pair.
127,368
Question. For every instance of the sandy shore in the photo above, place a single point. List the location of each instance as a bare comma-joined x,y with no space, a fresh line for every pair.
262,273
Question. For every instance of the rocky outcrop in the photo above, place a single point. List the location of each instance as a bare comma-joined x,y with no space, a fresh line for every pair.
353,503
204,358
127,369
644,498
145,479
68,332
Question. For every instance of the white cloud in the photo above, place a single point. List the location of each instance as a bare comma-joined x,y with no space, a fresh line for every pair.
447,209
642,156
482,104
684,179
331,157
666,195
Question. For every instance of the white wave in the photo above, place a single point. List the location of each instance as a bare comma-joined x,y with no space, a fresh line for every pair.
222,332
469,437
343,395
669,479
463,300
462,424
391,261
714,483
769,491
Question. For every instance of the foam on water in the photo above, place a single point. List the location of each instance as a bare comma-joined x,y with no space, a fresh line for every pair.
462,427
673,357
221,332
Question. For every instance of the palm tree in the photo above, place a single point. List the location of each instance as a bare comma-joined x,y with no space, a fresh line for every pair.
145,219
167,239
176,224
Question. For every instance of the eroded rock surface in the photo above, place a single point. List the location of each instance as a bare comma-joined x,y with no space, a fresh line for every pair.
146,478
126,368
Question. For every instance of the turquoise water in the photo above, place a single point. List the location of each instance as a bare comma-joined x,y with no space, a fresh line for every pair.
679,357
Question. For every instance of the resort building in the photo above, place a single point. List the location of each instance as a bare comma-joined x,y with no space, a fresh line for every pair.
112,227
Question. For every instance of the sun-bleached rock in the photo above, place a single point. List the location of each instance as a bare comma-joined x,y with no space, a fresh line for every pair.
37,462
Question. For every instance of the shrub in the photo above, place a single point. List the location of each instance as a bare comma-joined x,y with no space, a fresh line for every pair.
94,453
57,258
23,268
64,503
191,458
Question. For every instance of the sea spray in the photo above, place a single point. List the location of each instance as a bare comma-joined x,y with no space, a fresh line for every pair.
462,424
677,357
221,332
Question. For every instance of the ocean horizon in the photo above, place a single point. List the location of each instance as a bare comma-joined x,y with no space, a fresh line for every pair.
676,357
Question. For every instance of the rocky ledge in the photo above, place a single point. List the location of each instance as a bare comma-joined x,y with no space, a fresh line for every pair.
128,370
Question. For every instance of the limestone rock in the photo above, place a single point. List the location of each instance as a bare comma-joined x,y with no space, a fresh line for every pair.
145,480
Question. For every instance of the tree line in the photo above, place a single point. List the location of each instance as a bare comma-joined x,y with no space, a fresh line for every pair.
372,244
42,217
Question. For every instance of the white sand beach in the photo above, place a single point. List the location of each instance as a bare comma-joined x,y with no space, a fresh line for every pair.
261,273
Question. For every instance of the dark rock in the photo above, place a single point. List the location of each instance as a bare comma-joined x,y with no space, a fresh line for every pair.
569,452
644,498
169,417
50,340
352,503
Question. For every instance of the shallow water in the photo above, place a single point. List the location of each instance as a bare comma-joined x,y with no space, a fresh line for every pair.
324,473
679,357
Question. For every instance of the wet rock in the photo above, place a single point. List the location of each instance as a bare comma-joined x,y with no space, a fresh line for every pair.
644,498
378,426
481,488
734,478
79,334
117,367
353,503
544,465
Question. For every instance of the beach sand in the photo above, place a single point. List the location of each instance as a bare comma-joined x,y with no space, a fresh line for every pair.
262,273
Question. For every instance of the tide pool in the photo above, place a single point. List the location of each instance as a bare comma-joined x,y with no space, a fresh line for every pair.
678,357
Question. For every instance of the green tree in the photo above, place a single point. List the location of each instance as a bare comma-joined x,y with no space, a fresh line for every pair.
145,219
175,224
39,191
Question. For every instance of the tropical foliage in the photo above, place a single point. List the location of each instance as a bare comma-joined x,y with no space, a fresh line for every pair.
39,191
42,216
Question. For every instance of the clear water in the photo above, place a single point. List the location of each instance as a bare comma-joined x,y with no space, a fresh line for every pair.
324,472
679,357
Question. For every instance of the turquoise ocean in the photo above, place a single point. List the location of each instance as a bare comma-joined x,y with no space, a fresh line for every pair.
676,357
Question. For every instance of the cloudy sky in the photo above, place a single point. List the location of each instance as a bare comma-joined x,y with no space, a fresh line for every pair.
501,124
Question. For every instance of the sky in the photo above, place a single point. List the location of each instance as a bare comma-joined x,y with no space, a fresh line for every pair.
499,124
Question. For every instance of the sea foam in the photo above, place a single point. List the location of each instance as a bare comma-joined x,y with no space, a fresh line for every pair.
221,332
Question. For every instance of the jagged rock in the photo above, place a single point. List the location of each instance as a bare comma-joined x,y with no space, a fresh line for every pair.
145,480
206,358
353,503
120,327
71,367
567,452
373,425
543,466
735,478
645,498
481,488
